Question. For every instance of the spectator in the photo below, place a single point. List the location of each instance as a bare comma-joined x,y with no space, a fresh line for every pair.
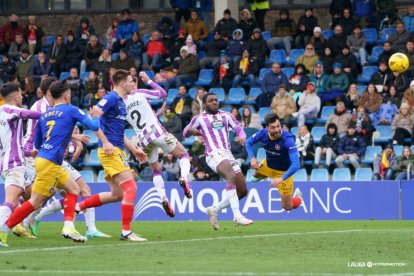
247,24
40,68
348,62
399,38
192,48
154,53
257,46
328,61
236,46
392,97
24,64
33,35
319,77
124,61
403,162
283,30
182,9
250,119
76,87
283,105
74,53
214,49
110,34
364,11
239,152
336,8
91,85
134,48
91,54
388,52
305,145
98,96
306,24
203,8
126,27
336,85
308,59
197,29
182,104
16,47
382,78
8,32
352,98
7,69
337,41
170,167
400,81
56,54
188,66
408,96
298,81
309,105
246,70
386,8
350,147
29,92
328,146
385,164
363,124
226,25
340,118
84,31
168,28
371,101
259,8
103,65
178,42
408,20
197,105
201,175
409,52
347,22
357,43
173,124
402,125
235,112
274,79
318,41
223,73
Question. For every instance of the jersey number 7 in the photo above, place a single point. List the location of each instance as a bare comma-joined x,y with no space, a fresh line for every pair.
50,124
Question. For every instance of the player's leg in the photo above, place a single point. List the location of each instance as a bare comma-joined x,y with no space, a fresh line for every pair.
289,200
241,185
160,186
180,152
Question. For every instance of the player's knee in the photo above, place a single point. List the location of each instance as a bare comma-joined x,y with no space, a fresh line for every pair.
130,190
85,191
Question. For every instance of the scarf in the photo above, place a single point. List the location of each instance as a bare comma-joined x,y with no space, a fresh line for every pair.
385,163
360,118
223,71
244,65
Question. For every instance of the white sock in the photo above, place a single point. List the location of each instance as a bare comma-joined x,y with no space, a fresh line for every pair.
29,218
185,167
222,205
68,223
52,208
90,219
5,213
234,202
126,232
159,185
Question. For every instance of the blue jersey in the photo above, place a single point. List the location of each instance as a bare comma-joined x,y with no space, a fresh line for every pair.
113,119
55,129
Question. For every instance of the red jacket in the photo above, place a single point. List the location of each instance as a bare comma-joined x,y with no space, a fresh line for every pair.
8,34
155,47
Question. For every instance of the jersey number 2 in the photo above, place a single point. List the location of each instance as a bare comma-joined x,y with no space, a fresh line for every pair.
50,124
138,115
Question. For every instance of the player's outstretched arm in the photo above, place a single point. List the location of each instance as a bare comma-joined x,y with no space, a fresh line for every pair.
156,93
191,129
138,153
294,164
30,114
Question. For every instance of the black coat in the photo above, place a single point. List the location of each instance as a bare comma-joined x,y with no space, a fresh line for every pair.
349,61
336,43
7,70
330,141
74,53
258,48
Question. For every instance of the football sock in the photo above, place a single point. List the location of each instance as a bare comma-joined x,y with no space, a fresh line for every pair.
233,199
52,208
89,215
5,211
127,213
19,214
92,201
222,205
296,201
159,184
185,165
69,207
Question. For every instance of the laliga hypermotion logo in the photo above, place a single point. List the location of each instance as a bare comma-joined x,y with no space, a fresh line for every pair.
148,200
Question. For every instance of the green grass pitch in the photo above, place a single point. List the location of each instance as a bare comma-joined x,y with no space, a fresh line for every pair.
193,248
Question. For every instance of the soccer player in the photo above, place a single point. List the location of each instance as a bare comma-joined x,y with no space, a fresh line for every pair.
52,137
112,156
213,125
11,144
152,135
282,159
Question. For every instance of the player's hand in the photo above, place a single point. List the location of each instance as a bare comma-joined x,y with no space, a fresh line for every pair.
81,137
345,156
33,153
77,152
276,181
108,148
144,77
194,131
140,155
240,140
254,164
95,111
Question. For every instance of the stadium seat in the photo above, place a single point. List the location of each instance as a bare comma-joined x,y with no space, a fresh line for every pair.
226,108
1,180
192,92
171,95
412,148
288,71
398,149
242,108
375,53
250,131
93,139
367,72
189,141
49,40
205,77
211,37
317,132
294,131
93,160
319,175
83,76
363,174
236,96
325,113
294,54
219,93
385,33
64,75
361,89
250,174
201,54
129,133
261,154
87,176
101,175
371,35
266,35
341,174
146,38
262,74
263,111
385,134
150,73
370,154
327,33
300,175
254,92
278,56
115,56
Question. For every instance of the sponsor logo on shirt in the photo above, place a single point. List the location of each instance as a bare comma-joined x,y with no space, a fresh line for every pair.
102,102
217,124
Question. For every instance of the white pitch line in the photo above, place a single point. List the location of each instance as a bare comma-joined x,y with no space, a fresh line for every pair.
176,241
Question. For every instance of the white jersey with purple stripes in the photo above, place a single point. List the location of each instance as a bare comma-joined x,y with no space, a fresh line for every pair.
42,106
141,116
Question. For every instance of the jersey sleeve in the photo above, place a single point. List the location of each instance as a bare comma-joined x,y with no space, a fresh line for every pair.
293,156
193,124
105,103
235,125
156,93
79,116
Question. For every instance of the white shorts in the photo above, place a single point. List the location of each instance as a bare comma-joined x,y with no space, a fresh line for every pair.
218,156
74,173
30,171
15,177
167,143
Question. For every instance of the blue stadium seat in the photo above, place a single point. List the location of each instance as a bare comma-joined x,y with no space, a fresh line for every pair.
150,73
83,76
367,72
398,149
87,176
236,96
219,93
146,38
204,77
370,154
371,35
375,53
385,134
129,133
288,71
385,33
1,180
327,33
115,56
189,141
250,174
294,54
101,175
254,92
317,132
201,54
211,37
93,139
412,148
262,74
278,56
250,131
341,174
192,92
64,75
226,108
300,175
294,131
93,160
263,111
171,95
361,89
363,174
266,35
49,40
325,113
319,175
261,154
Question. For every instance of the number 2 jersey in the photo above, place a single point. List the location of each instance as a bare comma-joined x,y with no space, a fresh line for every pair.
141,116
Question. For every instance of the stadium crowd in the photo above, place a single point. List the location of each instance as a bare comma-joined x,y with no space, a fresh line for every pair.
331,88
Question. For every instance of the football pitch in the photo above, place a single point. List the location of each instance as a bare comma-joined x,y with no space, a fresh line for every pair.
193,248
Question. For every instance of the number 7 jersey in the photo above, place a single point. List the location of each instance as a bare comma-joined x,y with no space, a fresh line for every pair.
141,116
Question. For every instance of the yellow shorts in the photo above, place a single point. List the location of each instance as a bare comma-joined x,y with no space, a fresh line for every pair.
286,187
113,164
49,177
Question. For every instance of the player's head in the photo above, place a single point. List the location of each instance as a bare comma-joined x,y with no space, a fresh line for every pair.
45,84
12,94
60,91
123,81
273,125
211,103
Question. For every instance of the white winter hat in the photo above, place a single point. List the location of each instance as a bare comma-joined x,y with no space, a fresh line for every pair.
317,30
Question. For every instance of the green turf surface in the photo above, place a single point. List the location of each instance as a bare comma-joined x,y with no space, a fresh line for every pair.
193,248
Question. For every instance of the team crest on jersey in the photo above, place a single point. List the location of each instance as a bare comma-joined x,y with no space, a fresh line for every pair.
81,111
277,147
217,124
102,102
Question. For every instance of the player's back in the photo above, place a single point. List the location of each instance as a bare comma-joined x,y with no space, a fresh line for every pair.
42,106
